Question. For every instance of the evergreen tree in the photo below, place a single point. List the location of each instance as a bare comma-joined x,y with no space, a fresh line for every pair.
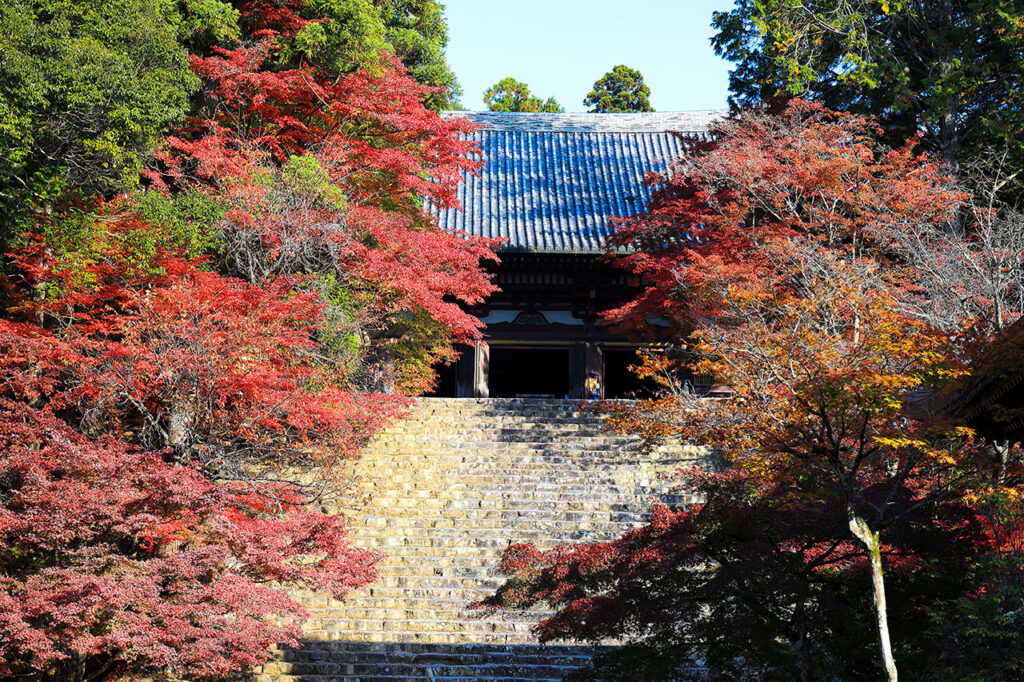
86,88
418,33
952,69
508,94
621,90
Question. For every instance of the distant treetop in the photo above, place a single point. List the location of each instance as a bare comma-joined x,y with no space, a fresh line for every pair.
621,90
508,94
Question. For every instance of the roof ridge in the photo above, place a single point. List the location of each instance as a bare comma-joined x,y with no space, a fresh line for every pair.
580,131
632,122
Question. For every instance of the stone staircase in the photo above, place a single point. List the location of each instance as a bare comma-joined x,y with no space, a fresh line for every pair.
448,489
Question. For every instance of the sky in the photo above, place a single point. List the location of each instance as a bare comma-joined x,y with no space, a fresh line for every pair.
560,47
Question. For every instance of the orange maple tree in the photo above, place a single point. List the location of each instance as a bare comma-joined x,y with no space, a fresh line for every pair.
775,253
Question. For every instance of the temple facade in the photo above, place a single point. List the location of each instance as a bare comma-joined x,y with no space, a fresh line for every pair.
549,190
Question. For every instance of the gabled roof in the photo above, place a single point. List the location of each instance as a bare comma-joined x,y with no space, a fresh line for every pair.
553,182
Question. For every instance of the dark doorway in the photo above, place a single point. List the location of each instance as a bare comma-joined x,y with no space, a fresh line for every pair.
529,372
619,380
446,385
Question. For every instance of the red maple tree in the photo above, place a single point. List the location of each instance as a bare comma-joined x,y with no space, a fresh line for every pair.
160,424
332,173
116,563
166,420
761,581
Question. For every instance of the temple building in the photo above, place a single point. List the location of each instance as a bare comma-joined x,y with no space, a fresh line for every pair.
550,187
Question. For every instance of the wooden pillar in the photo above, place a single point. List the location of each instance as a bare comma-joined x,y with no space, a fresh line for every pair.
585,358
482,371
594,363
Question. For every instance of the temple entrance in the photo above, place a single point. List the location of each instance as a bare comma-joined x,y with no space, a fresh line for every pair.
529,372
517,369
619,380
447,381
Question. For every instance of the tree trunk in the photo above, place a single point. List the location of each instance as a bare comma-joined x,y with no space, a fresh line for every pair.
799,647
179,431
949,125
870,538
1002,448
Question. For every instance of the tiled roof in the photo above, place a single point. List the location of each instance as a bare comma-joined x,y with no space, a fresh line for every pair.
553,182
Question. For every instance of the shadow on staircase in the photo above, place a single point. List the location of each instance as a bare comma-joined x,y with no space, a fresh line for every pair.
393,661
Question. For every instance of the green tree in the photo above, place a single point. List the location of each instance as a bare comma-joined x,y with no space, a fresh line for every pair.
418,33
621,90
340,36
508,94
953,69
86,89
345,35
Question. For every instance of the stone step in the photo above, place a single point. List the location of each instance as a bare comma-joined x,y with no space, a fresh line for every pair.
430,620
438,582
484,527
454,496
422,671
399,678
393,651
582,470
410,547
402,600
505,481
382,594
446,627
444,492
567,454
508,505
516,518
529,439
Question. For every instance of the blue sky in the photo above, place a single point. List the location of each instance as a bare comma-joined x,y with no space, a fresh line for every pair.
560,47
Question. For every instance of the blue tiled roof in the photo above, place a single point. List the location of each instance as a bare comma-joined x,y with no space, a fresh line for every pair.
553,182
